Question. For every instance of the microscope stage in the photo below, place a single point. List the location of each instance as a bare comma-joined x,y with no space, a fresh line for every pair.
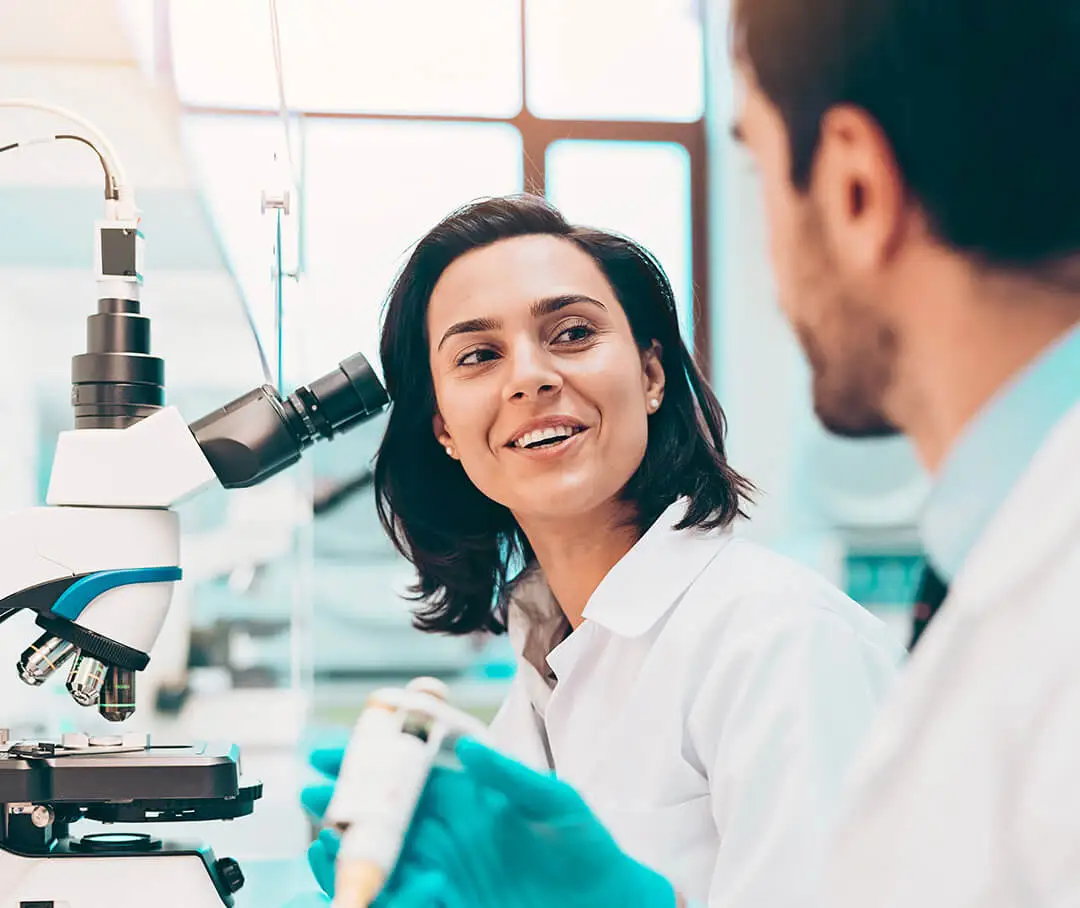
151,783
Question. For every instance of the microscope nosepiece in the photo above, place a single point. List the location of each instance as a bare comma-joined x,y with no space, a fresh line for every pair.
85,680
43,657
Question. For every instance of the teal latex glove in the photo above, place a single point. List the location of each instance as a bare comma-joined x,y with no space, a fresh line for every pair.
497,835
316,798
412,885
503,836
422,891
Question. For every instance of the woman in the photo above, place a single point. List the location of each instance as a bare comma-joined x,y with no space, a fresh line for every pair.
554,466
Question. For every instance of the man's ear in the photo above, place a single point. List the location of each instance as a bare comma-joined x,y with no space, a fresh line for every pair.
653,378
438,426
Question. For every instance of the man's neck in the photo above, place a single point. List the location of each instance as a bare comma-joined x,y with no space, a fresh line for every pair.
961,351
575,555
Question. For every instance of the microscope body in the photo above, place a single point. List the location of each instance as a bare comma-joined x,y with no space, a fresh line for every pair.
99,562
98,565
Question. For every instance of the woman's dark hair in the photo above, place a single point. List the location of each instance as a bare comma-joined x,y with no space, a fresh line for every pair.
463,544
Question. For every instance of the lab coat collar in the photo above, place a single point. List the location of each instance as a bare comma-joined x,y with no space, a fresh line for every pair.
633,597
994,451
648,580
637,592
1038,515
1038,519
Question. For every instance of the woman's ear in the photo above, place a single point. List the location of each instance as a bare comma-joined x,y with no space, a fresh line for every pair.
652,375
438,425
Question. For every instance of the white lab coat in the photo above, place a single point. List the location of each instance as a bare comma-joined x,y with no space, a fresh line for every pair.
968,790
706,709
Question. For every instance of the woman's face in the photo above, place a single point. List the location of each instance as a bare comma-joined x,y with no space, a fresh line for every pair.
541,390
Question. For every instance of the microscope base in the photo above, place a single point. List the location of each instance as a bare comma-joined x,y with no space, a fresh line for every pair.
178,879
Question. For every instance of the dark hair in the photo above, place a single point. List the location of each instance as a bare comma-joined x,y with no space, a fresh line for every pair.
976,97
462,543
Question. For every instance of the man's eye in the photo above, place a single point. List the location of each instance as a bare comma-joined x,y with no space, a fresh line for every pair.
476,357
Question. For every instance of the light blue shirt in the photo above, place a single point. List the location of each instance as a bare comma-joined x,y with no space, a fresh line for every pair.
993,451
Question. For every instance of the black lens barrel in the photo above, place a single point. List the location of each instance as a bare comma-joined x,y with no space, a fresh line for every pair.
348,395
117,381
260,434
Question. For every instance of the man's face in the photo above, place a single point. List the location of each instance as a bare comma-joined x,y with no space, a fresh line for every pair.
827,274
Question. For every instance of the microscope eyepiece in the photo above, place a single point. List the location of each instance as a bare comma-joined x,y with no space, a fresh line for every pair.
350,394
261,434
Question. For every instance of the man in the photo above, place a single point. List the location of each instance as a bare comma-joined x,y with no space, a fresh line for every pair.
921,169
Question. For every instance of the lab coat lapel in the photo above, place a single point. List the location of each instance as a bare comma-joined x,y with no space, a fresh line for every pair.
1041,514
621,618
643,587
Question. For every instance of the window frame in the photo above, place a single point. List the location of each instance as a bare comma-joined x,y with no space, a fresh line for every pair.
537,134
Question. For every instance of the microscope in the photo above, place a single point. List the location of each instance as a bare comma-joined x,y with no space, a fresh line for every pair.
96,568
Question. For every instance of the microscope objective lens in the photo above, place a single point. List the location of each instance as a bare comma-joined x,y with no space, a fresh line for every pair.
117,701
85,680
43,657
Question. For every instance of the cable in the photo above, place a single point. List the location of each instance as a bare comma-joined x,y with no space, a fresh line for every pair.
101,144
294,178
279,72
41,140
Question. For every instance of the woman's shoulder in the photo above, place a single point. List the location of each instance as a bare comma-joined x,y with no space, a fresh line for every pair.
751,587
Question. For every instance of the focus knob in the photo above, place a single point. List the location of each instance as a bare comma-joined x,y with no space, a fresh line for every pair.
232,877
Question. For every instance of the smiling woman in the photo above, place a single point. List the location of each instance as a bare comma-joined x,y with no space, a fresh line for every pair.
508,320
554,465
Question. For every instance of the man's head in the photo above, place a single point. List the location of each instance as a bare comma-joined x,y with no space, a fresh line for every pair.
897,140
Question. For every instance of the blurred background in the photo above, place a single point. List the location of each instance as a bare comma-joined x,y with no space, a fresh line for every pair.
286,156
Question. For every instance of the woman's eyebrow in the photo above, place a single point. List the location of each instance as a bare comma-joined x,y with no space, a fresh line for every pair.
550,304
540,308
470,326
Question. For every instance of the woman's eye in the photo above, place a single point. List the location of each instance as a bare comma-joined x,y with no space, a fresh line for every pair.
476,357
575,334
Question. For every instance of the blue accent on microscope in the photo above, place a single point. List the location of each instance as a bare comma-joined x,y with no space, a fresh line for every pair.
82,592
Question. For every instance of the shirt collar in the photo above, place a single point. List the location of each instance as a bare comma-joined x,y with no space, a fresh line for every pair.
649,579
994,450
634,595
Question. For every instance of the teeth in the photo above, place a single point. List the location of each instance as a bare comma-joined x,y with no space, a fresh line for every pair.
530,438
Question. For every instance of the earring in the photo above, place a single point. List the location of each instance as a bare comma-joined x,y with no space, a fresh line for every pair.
654,404
449,451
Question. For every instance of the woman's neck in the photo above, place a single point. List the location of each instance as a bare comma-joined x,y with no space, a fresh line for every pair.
576,554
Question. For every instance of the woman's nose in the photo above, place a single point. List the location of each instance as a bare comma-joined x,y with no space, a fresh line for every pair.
532,373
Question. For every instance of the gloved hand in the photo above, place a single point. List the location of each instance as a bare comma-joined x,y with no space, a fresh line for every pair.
413,884
498,835
315,799
422,891
326,760
507,837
